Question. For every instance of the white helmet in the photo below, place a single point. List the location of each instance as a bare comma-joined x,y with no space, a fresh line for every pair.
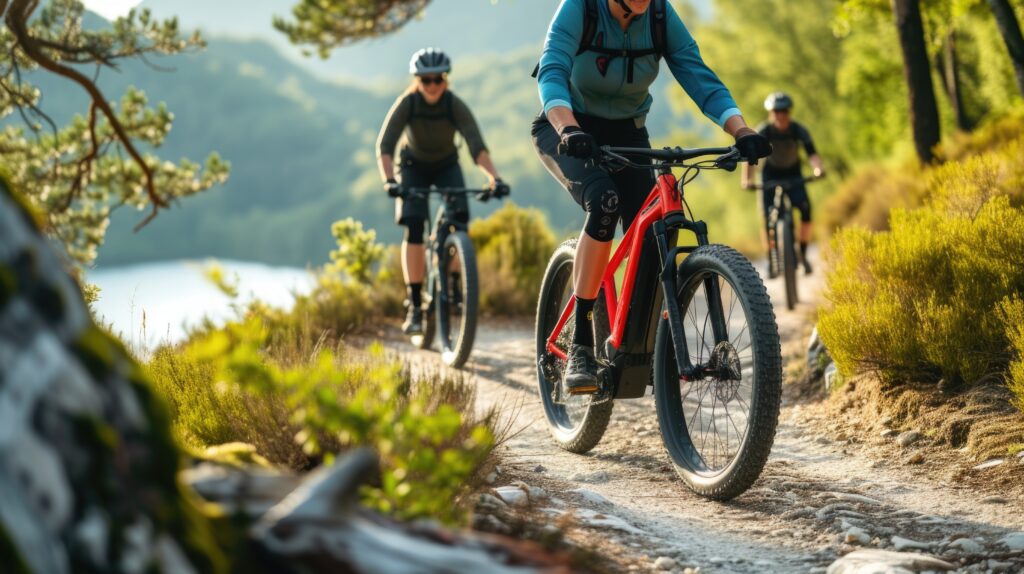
429,61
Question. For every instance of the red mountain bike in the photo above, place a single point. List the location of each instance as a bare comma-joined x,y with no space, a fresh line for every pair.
701,331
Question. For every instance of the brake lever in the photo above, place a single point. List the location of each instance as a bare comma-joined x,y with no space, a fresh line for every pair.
728,161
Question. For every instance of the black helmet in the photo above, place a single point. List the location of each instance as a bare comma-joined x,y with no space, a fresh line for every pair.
778,101
429,61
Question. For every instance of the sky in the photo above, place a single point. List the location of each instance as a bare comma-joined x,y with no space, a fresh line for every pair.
110,9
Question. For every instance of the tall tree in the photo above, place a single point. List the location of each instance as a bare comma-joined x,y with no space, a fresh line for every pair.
924,112
79,173
1009,27
948,65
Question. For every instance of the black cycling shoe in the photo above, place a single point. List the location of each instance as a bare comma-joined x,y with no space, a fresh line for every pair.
413,321
581,373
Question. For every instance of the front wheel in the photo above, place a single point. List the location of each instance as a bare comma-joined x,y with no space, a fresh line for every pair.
577,422
457,299
718,425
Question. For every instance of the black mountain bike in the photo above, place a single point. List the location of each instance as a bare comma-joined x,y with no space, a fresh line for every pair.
693,321
781,231
452,296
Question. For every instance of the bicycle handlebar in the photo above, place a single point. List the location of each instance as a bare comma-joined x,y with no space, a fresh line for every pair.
727,157
408,192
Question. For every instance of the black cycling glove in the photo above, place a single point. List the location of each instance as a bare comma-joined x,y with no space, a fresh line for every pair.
501,189
577,143
753,146
391,186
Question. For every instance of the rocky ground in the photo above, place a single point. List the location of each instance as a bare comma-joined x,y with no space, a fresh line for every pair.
826,501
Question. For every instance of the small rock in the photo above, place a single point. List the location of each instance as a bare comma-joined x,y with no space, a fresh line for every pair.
591,496
691,571
491,478
886,422
901,543
994,500
888,433
490,501
916,458
852,497
488,523
539,468
883,561
1014,541
831,376
598,477
512,495
550,530
664,563
908,438
989,464
857,536
967,546
997,566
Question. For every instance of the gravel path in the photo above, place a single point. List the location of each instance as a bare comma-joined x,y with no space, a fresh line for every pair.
815,501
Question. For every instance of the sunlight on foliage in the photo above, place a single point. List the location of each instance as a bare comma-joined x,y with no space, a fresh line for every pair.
358,252
223,388
933,296
513,246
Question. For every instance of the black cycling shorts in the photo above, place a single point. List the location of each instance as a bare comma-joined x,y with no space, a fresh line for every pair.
606,197
798,197
413,212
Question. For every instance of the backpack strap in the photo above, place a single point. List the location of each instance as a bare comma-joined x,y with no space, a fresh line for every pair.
446,100
659,27
590,25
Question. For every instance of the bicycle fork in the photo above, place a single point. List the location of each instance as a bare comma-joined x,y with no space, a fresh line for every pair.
669,273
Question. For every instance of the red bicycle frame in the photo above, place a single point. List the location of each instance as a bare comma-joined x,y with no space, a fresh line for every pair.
663,200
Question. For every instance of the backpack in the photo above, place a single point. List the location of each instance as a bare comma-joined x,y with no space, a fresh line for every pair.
419,113
659,26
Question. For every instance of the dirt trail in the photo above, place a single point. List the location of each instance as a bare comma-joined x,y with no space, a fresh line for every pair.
794,519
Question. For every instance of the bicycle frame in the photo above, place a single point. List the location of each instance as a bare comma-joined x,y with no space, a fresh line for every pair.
661,211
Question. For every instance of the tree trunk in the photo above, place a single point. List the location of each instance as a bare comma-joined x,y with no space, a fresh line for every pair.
1010,29
924,113
949,70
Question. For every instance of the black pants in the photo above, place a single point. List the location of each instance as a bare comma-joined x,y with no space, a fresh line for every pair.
606,197
797,193
413,212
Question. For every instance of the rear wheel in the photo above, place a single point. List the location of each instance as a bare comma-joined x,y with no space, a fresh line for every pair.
789,260
718,426
457,299
577,423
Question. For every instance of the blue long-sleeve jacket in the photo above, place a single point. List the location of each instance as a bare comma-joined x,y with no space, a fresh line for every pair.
577,82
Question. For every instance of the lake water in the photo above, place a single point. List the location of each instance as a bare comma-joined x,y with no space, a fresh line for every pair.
153,303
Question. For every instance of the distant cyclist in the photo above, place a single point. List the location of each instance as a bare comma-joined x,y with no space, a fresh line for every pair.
599,61
785,165
423,122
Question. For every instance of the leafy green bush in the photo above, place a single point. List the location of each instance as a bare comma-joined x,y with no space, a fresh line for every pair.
513,246
927,298
1013,316
224,388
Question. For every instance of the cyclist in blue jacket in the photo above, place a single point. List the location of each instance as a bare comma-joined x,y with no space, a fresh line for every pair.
599,61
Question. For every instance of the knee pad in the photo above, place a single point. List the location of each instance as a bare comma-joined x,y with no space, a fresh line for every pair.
602,214
414,231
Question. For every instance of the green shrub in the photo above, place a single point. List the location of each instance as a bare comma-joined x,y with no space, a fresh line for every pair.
224,388
513,247
924,300
1013,316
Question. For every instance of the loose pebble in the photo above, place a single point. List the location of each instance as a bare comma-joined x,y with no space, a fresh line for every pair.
901,543
989,464
967,546
857,536
1014,542
908,438
664,563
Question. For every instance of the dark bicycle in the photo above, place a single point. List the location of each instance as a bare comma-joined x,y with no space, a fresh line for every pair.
701,331
781,233
452,296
